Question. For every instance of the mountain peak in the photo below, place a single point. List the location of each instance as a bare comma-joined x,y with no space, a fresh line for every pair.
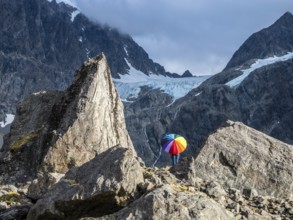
187,73
287,15
285,20
275,40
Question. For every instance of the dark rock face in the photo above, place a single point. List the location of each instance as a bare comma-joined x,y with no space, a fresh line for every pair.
266,99
141,119
17,212
187,73
194,116
274,40
41,47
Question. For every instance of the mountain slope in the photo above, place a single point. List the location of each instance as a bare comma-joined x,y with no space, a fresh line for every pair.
43,43
274,40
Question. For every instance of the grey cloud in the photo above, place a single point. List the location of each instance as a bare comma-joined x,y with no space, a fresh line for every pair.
199,35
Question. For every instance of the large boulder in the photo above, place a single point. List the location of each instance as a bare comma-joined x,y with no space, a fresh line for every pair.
101,186
240,157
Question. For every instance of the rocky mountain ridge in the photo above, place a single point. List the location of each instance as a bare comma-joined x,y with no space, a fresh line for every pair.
275,40
114,183
42,44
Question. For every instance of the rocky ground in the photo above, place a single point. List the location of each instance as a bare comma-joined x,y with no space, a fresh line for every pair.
163,196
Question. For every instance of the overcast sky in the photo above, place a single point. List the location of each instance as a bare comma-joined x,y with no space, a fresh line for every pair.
199,35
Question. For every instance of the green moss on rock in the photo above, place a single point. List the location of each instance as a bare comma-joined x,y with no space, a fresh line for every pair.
20,142
10,198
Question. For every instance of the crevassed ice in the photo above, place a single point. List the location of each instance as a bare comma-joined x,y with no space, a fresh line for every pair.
129,84
257,64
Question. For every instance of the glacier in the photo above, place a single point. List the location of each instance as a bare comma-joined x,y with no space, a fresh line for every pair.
128,86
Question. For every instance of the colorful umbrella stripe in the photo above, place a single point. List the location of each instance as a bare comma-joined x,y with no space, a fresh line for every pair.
173,143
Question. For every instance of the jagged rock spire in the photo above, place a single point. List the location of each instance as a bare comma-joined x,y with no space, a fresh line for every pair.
55,131
89,118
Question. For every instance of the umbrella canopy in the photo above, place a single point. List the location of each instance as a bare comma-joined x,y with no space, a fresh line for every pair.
173,143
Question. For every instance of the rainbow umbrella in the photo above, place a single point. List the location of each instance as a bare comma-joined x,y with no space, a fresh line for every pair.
173,143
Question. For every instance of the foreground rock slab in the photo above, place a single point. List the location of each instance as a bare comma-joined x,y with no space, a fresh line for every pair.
240,157
169,202
101,186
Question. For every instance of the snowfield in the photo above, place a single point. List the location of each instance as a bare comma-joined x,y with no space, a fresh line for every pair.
258,64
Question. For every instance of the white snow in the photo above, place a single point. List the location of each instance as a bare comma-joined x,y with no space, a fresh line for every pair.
129,85
40,92
258,63
87,53
126,51
8,120
73,14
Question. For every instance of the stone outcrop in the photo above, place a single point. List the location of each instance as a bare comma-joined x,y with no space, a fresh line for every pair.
169,202
240,157
53,132
98,187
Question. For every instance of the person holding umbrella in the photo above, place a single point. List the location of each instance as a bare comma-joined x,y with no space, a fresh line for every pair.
173,144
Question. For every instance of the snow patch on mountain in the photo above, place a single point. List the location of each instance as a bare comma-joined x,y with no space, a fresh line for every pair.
128,86
258,64
135,75
8,120
126,51
74,14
